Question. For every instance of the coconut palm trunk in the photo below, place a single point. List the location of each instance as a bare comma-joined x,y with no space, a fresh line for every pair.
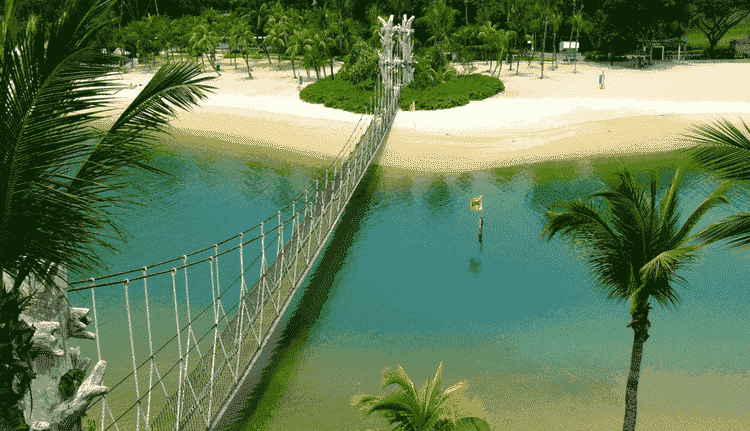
544,40
640,325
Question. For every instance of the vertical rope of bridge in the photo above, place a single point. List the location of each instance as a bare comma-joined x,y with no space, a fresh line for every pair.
279,262
325,198
262,278
150,347
132,351
241,327
319,213
336,186
216,334
220,307
309,235
195,342
296,235
98,347
178,410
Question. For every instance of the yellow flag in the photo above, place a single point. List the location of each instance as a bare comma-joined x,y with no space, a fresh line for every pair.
476,203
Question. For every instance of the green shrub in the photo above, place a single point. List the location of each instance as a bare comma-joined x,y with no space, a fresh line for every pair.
337,93
450,94
718,54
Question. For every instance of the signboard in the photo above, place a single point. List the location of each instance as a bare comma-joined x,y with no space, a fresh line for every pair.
568,45
475,204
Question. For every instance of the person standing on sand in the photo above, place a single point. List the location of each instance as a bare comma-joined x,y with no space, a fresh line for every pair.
481,222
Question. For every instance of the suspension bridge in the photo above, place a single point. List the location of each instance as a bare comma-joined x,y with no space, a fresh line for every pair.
191,380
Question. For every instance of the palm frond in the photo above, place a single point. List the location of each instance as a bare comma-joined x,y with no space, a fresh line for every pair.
667,262
722,148
432,390
586,229
735,229
47,96
400,378
716,198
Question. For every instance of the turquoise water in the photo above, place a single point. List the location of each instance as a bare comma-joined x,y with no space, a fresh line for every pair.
404,281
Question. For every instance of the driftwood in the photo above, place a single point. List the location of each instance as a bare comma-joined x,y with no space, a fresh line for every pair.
53,360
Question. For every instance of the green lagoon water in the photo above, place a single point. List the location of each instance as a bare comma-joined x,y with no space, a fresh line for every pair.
404,281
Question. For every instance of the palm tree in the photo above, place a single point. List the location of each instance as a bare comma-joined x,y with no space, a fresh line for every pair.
634,249
326,46
314,48
425,410
556,20
296,46
504,37
464,34
277,34
439,19
243,38
487,34
59,177
577,21
723,149
257,19
202,42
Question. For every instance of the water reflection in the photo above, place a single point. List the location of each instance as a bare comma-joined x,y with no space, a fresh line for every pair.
475,266
438,198
308,310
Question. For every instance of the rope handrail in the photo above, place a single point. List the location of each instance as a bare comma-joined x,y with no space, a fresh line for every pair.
297,199
111,283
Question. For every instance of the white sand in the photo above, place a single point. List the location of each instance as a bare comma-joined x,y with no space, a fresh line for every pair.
565,114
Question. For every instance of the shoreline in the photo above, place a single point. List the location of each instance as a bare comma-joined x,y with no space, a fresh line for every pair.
563,116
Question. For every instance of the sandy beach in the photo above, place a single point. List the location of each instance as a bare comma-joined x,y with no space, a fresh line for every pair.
564,115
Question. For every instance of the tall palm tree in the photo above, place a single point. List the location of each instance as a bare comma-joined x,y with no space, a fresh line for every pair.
504,37
426,409
204,41
295,47
243,38
277,34
439,19
634,248
60,177
314,48
556,21
724,149
487,34
577,21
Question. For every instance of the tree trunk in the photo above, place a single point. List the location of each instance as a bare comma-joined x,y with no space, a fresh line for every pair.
332,76
294,70
265,48
640,326
466,7
554,48
247,61
544,41
317,72
571,38
575,55
651,49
